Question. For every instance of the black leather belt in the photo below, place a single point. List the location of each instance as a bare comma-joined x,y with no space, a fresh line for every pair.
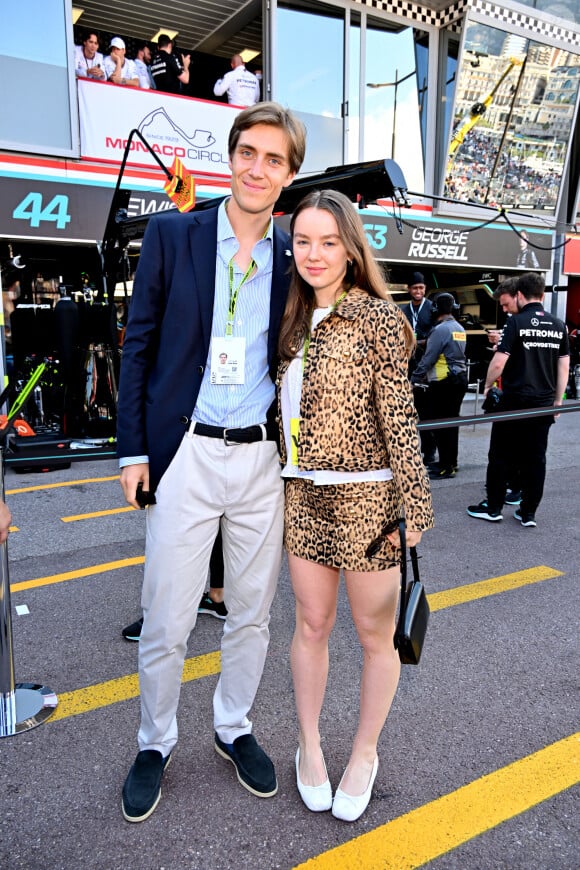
248,435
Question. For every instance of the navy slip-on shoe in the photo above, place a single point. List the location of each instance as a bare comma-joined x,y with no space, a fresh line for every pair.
254,769
142,789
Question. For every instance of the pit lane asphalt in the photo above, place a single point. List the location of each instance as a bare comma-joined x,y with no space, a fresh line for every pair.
498,681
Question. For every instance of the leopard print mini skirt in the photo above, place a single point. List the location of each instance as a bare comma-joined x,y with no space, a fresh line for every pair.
334,524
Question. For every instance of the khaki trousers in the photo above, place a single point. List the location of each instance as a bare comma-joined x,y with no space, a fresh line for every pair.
208,480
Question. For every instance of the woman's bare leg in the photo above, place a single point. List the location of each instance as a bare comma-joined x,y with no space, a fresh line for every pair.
316,591
373,601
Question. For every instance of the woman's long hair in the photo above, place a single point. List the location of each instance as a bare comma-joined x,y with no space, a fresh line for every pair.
363,270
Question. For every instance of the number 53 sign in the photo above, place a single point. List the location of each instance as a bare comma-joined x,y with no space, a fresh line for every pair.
376,235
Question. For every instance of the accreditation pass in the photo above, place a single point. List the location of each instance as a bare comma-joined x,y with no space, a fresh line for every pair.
228,360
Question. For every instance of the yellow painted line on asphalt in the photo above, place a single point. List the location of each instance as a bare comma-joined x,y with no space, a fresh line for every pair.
59,485
437,600
123,688
73,518
434,829
75,575
82,700
493,586
429,831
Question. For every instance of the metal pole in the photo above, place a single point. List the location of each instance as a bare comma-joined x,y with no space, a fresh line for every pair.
22,705
7,686
394,114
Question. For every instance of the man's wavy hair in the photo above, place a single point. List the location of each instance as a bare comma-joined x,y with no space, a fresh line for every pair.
274,115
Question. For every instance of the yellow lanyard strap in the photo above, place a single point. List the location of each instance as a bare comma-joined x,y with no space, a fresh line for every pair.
234,293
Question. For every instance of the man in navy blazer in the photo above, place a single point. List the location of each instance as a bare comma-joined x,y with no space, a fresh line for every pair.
196,441
170,371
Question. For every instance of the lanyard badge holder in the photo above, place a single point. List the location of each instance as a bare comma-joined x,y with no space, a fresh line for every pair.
228,354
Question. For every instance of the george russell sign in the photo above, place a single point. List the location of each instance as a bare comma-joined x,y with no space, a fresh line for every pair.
435,243
439,241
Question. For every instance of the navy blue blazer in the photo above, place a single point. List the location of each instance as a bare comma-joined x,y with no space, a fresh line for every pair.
169,330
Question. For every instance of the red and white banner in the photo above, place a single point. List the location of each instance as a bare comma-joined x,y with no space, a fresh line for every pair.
196,131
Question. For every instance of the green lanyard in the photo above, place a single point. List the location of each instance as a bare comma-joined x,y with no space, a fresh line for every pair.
308,336
234,293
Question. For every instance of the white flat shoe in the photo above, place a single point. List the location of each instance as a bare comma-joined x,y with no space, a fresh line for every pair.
317,798
348,807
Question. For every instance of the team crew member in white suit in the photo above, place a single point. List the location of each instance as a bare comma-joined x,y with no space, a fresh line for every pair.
241,85
88,59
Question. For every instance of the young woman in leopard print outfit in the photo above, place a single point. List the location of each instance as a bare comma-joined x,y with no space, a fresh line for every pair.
352,464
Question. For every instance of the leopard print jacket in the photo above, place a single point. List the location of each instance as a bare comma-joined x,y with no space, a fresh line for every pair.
356,410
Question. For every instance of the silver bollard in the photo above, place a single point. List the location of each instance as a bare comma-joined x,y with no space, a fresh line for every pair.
22,705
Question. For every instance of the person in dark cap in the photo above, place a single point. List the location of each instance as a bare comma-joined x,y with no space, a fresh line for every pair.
418,313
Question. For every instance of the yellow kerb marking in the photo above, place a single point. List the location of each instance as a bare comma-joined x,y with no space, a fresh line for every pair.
59,485
122,689
424,834
504,583
429,831
73,518
74,575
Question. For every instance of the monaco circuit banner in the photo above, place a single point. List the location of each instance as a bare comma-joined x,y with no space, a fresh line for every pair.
195,131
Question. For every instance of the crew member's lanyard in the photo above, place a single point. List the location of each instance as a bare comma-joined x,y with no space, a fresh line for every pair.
234,293
414,316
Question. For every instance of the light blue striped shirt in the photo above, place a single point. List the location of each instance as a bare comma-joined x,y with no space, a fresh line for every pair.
237,405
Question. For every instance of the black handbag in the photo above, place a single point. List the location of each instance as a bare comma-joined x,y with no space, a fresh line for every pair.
413,610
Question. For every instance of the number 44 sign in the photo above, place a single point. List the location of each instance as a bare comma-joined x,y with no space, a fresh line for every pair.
33,210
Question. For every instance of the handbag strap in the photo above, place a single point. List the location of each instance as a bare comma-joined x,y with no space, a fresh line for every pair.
415,566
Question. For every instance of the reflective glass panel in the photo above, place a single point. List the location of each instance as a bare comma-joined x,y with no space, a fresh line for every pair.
309,69
353,120
36,114
448,89
567,9
514,108
395,93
